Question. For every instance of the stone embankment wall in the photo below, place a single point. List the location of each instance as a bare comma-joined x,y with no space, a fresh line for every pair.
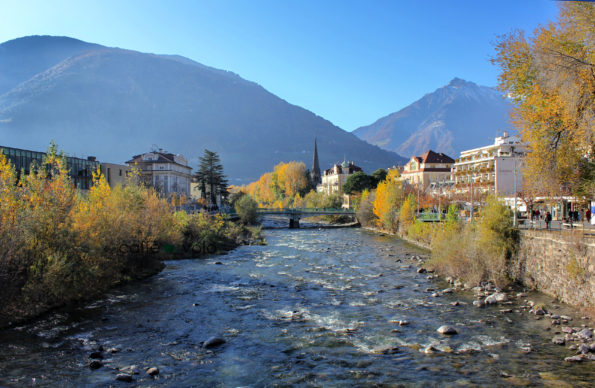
560,264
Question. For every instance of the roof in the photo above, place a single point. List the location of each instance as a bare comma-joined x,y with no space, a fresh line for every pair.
343,168
434,157
162,157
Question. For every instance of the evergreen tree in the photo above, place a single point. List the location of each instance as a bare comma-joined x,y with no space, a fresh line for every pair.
210,175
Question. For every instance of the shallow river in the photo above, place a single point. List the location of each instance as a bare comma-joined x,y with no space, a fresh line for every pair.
312,308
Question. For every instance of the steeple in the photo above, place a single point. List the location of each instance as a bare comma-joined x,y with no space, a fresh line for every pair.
316,179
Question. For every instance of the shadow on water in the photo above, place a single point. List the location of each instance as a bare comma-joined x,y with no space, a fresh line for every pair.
313,307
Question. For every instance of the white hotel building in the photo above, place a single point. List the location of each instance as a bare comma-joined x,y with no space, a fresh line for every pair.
491,168
167,172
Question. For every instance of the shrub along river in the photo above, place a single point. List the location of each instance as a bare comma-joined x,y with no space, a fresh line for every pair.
330,307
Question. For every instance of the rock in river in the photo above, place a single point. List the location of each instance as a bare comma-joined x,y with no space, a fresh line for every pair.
574,359
585,334
447,330
558,340
95,364
153,371
124,377
213,342
496,298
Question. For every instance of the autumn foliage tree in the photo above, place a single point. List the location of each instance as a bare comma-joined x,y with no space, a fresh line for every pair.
282,187
551,79
389,196
58,244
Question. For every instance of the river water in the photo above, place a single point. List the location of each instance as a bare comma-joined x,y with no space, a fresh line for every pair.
312,308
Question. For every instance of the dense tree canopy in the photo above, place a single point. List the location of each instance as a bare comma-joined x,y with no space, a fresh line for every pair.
358,182
551,78
279,188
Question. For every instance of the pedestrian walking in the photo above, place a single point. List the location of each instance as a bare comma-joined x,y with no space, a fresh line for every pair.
548,219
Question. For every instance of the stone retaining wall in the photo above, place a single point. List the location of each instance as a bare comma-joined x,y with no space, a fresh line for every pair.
558,264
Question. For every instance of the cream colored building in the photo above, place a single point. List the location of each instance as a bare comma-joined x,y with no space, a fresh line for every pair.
426,169
167,172
334,178
115,174
491,168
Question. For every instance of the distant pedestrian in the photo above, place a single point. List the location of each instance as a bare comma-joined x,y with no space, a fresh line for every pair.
548,219
588,215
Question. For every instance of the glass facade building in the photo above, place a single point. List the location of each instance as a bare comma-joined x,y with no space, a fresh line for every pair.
80,170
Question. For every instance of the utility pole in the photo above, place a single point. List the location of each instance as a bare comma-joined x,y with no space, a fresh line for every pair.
514,211
418,198
472,198
439,197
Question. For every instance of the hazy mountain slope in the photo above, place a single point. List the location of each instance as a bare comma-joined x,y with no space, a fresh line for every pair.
458,116
23,58
115,103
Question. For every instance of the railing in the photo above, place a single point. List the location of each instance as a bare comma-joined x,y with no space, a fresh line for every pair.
429,217
305,210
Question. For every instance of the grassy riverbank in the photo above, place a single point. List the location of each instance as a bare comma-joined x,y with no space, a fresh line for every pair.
474,252
59,246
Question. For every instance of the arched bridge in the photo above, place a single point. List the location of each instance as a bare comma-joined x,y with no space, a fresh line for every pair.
295,214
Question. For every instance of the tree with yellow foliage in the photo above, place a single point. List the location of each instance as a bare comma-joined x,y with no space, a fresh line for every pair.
389,195
551,79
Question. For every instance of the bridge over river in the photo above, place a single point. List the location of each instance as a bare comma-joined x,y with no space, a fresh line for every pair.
295,214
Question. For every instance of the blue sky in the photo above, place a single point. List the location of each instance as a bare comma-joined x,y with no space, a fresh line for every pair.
350,62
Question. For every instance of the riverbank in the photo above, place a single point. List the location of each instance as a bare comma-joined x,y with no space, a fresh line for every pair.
330,307
513,298
140,261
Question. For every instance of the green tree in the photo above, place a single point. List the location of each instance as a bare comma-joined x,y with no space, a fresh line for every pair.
452,217
358,182
246,209
379,175
210,176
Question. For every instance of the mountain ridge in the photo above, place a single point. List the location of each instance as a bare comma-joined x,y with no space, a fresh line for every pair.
113,103
454,117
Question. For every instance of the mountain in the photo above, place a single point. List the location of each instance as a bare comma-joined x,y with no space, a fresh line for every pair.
459,116
114,103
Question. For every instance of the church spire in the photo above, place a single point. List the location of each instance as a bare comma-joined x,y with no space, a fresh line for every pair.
316,179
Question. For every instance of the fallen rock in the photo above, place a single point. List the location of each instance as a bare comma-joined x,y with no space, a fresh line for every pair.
213,342
421,270
448,291
566,317
456,303
567,329
403,323
95,364
124,377
447,330
430,349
